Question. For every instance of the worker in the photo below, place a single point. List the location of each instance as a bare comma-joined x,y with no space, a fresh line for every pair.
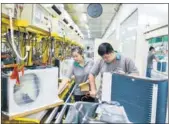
88,53
150,58
80,70
110,62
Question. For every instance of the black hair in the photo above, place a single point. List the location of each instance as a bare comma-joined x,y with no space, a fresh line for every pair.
151,48
105,48
78,50
88,47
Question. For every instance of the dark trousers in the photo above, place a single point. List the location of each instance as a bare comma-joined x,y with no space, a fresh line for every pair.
84,98
148,72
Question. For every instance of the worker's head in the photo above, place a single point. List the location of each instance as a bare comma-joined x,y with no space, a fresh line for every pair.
152,49
106,51
77,54
88,47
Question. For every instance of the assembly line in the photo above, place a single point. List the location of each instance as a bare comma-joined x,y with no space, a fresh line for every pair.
84,63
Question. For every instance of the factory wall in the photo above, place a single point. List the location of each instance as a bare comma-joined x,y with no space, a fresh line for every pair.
147,18
88,43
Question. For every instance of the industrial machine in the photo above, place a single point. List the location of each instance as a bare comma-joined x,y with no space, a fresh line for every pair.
34,26
33,38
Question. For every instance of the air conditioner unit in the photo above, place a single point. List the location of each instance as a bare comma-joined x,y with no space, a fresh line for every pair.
144,99
37,91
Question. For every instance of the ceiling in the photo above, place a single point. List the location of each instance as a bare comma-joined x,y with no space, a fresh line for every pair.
92,27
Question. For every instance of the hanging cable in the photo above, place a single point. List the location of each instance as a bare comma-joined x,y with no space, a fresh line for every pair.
12,39
43,51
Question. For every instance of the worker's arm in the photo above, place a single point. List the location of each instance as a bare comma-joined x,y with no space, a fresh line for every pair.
93,89
93,73
67,79
155,58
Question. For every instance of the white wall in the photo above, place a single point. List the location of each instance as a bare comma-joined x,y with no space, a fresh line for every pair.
148,15
153,33
88,42
97,42
113,41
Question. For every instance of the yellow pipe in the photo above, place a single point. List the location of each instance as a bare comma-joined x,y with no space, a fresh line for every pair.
27,120
30,56
23,23
45,50
22,48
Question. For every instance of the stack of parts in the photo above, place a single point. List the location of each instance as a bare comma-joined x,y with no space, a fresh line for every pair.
84,112
111,114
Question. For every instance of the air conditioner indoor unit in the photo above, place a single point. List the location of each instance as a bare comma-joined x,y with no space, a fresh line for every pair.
54,9
37,16
37,91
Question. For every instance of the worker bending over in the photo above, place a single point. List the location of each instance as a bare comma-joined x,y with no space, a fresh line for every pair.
80,70
110,62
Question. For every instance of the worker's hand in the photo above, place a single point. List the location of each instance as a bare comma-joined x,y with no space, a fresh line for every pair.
92,93
87,93
73,77
120,72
